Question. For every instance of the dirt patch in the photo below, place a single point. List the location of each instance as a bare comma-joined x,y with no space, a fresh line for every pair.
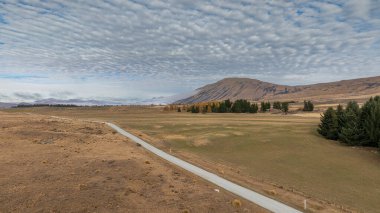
175,137
53,165
201,142
236,133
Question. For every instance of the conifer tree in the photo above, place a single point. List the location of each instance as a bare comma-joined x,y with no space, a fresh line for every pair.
308,106
228,105
370,119
352,131
222,107
277,105
329,124
285,107
253,108
341,118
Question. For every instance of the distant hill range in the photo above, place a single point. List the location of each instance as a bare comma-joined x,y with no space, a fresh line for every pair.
53,101
255,90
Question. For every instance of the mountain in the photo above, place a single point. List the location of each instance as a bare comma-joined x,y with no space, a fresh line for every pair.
52,101
256,90
7,105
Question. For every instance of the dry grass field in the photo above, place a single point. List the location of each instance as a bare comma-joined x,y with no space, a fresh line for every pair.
279,155
54,165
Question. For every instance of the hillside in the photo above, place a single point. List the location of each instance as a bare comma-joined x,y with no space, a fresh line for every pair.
252,89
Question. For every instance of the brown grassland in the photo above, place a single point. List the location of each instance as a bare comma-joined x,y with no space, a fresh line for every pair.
53,165
281,156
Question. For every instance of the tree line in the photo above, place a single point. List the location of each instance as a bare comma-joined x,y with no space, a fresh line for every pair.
353,125
44,105
238,106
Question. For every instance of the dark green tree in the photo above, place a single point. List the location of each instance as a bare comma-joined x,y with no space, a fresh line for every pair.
222,107
265,106
240,106
277,105
329,124
194,109
285,107
352,130
308,106
253,108
341,118
237,107
370,121
228,104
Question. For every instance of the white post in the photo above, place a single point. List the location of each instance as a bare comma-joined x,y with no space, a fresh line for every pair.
305,204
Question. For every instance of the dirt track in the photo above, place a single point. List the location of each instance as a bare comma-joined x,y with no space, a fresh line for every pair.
51,165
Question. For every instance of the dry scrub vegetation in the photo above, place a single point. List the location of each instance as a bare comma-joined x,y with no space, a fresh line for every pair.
282,156
53,165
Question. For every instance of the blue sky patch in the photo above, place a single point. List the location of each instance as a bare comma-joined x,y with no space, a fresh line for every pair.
18,76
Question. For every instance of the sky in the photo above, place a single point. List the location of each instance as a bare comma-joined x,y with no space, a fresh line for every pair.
141,50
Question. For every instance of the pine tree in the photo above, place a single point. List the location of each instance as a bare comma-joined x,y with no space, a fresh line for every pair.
228,105
277,105
341,118
253,108
329,124
308,106
370,118
262,106
192,109
265,106
352,131
237,106
285,107
222,107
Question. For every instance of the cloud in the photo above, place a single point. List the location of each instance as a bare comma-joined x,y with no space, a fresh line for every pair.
362,8
172,46
27,95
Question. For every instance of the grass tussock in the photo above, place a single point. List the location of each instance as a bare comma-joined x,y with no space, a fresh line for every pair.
236,203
